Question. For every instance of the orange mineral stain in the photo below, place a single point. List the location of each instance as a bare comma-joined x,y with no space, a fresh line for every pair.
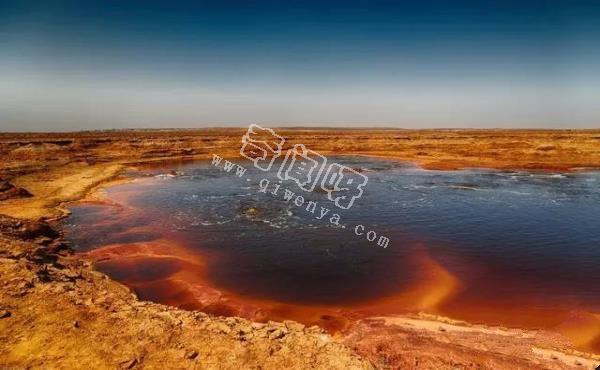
166,272
163,266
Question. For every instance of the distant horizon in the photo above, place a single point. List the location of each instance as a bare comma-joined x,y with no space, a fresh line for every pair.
358,128
81,65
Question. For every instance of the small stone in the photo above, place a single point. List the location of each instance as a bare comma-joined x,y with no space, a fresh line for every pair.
76,324
31,230
43,240
315,329
130,364
231,321
25,285
277,334
244,329
245,336
295,326
325,338
191,354
251,211
441,328
200,315
258,325
4,314
221,327
73,275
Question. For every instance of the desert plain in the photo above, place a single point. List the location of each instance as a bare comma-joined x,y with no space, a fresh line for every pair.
57,311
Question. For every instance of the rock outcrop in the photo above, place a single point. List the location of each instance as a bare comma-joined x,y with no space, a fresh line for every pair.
10,191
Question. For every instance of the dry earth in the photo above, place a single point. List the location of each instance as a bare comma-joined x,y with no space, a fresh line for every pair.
57,312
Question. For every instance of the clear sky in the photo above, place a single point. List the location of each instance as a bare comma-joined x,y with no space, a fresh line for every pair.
416,64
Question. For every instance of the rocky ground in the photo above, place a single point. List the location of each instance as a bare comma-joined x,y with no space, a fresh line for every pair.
433,149
56,311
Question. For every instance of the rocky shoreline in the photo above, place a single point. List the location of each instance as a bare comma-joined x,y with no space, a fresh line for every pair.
56,311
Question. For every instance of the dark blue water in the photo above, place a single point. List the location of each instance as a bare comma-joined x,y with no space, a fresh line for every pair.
531,237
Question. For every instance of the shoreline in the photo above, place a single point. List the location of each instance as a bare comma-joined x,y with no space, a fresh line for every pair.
58,186
52,208
431,149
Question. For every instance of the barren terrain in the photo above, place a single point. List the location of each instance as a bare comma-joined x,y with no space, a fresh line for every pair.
57,312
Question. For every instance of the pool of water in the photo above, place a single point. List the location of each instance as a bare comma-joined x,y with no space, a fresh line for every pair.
510,248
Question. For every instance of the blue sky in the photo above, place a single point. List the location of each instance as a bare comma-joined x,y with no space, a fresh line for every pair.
415,64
